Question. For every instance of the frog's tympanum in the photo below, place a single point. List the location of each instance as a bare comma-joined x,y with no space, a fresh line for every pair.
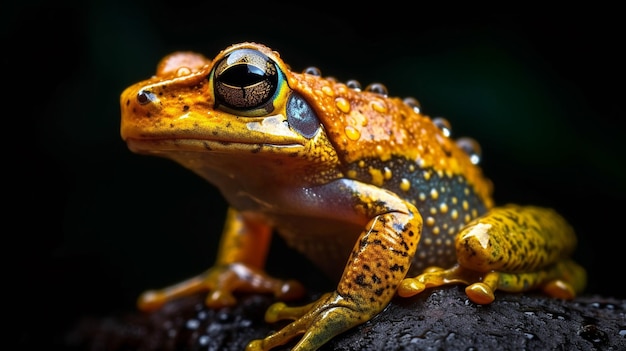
375,193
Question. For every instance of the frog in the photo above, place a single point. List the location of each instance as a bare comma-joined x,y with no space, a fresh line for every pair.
376,193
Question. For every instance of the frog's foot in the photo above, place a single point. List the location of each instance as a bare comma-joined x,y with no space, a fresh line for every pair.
562,280
220,282
480,286
318,322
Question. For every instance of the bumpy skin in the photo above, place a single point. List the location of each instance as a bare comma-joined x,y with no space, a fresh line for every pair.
351,178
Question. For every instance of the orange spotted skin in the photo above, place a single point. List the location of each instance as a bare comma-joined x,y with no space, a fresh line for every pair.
363,184
384,142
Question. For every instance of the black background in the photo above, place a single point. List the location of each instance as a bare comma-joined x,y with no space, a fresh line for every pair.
91,225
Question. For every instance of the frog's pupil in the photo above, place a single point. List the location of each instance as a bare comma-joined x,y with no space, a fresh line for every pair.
242,75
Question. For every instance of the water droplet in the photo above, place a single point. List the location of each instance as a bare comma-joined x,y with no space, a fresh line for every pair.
193,324
405,184
342,104
203,340
377,88
352,133
529,336
314,71
214,329
380,150
443,125
354,84
434,194
471,148
555,316
328,91
224,317
591,333
378,106
413,103
387,173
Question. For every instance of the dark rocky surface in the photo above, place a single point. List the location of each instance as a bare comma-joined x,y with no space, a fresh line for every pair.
441,319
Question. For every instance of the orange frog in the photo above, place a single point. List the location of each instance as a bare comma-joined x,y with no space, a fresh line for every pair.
351,178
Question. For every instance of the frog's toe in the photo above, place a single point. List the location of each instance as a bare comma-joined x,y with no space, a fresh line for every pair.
280,311
432,277
220,282
255,345
559,289
151,300
569,279
410,286
480,289
480,293
317,322
220,298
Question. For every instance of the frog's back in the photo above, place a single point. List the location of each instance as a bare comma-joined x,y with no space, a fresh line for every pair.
387,142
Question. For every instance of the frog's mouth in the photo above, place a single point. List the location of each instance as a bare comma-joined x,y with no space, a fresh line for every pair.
202,133
164,146
244,134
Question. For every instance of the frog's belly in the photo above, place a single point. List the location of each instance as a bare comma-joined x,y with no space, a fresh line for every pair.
328,243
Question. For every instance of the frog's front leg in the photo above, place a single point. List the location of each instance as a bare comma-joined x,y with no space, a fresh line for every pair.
378,262
239,267
511,248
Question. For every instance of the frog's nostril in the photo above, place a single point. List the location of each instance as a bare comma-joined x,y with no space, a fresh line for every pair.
145,97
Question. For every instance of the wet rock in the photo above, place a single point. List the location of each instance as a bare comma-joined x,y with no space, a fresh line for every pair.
435,320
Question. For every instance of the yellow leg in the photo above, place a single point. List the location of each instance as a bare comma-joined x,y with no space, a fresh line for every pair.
238,267
378,262
511,248
220,282
318,322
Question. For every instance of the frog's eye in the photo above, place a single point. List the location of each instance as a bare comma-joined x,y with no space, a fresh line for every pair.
246,81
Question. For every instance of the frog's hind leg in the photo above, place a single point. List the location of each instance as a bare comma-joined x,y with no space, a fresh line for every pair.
511,248
562,280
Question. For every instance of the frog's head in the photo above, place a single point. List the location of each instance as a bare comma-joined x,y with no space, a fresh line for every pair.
237,110
245,111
